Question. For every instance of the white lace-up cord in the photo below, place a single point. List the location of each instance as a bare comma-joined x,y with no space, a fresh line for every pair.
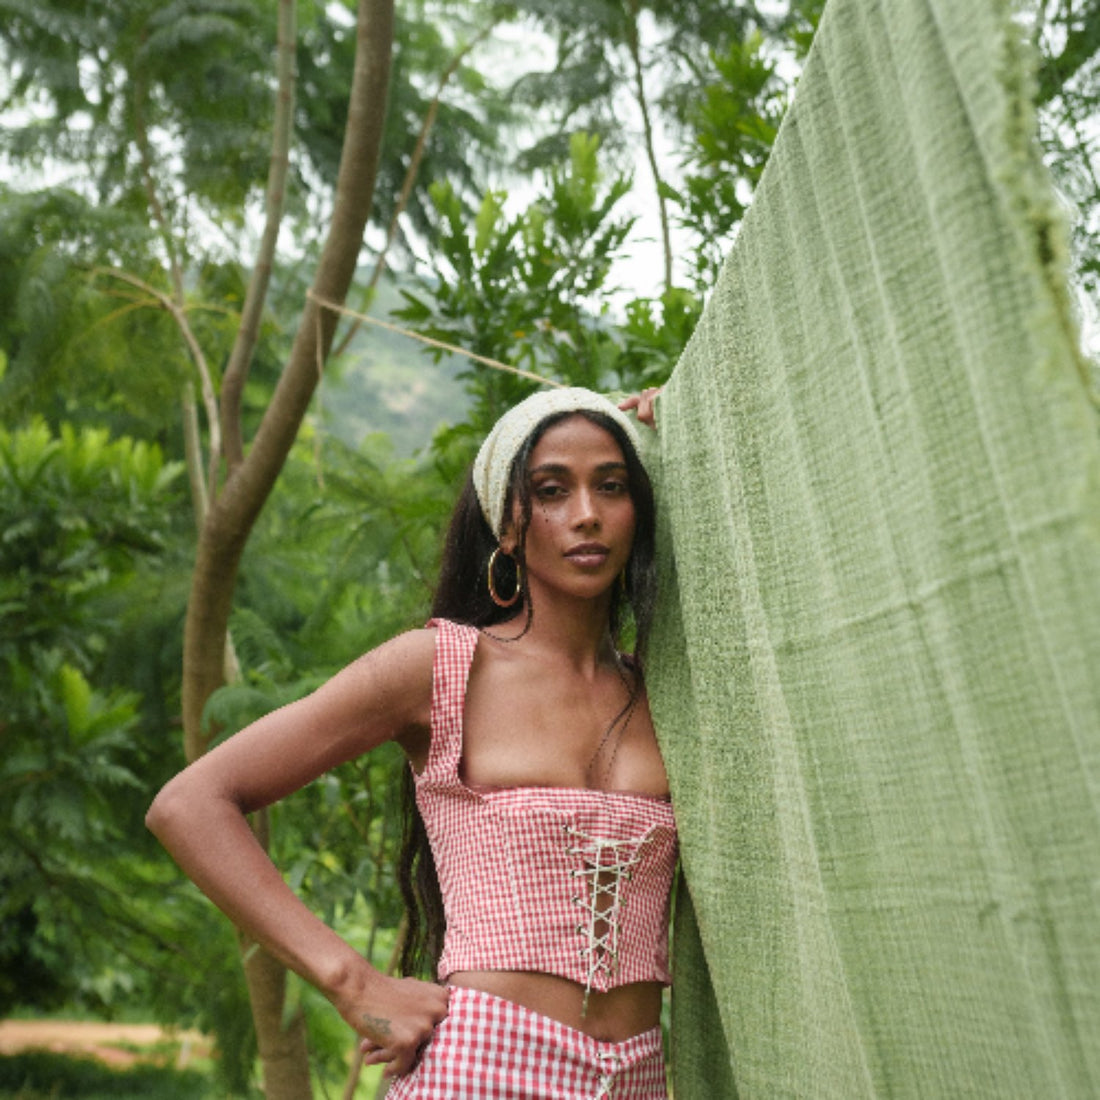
608,864
607,1076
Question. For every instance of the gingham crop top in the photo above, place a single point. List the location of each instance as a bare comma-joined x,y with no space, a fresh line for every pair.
561,880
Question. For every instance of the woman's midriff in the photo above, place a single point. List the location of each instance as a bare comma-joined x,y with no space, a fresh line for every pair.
611,1017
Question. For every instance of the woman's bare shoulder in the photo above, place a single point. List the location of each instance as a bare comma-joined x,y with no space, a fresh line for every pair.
395,678
383,695
411,652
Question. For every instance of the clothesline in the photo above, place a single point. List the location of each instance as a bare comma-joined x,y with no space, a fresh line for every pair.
452,348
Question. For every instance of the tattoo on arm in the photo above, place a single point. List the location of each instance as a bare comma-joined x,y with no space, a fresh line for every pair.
378,1024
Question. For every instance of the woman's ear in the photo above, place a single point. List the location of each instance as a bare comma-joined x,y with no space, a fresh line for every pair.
509,528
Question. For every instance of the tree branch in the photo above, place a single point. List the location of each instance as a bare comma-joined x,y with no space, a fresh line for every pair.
231,517
244,345
206,383
156,208
192,451
634,46
160,218
410,178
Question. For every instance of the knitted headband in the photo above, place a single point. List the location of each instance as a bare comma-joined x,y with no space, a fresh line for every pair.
493,464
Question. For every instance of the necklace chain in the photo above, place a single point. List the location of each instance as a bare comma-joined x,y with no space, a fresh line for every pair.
619,723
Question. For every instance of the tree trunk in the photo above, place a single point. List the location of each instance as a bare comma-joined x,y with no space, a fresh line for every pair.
410,179
635,47
281,1038
240,359
230,518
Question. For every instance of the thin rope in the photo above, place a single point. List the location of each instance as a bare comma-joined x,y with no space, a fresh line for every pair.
607,865
607,1075
494,363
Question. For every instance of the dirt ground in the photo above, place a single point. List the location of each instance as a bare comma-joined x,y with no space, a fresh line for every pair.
115,1044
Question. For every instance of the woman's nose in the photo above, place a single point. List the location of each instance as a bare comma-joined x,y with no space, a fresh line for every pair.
585,510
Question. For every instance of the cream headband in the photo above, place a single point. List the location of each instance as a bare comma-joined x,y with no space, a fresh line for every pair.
493,464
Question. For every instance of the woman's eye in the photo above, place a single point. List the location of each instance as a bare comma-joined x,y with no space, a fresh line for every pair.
614,487
548,492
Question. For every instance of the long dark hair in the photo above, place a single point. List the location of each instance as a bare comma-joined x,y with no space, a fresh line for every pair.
462,596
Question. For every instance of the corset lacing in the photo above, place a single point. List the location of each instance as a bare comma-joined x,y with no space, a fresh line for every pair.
608,864
608,1073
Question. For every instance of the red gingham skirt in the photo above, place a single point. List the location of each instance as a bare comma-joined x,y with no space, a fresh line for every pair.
488,1048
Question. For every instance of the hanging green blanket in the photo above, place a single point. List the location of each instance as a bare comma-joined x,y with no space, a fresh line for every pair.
877,678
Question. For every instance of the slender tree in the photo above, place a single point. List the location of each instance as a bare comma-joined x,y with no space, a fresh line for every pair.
231,517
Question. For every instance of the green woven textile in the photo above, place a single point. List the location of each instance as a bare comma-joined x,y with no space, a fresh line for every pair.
877,672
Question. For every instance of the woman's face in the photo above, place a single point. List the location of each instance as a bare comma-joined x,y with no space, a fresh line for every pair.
582,513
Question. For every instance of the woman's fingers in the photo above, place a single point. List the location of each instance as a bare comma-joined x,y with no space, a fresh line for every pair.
405,1062
402,1020
396,1061
374,1055
642,403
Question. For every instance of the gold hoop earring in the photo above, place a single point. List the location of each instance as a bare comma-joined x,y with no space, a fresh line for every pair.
492,589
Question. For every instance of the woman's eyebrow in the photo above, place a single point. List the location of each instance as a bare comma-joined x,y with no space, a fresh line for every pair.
563,468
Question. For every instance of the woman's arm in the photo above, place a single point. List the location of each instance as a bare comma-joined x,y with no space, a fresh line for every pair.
199,816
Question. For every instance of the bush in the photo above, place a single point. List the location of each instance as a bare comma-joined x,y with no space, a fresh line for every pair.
42,1076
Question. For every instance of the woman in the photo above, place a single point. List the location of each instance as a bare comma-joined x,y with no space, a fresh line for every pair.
537,775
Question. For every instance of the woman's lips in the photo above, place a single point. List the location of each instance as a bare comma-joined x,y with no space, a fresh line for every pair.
588,554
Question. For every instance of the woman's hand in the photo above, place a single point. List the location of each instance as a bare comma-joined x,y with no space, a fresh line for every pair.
396,1017
642,403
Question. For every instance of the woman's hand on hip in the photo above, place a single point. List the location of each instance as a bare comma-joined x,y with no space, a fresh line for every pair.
396,1017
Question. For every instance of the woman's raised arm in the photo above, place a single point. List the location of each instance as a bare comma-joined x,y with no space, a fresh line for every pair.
199,816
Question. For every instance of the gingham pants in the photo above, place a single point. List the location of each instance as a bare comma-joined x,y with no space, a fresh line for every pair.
492,1049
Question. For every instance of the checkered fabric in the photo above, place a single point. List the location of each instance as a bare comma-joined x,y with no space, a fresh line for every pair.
565,881
488,1048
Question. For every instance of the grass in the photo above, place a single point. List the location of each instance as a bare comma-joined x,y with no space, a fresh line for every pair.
38,1075
41,1075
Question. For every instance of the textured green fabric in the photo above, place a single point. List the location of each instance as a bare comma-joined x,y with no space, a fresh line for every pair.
877,672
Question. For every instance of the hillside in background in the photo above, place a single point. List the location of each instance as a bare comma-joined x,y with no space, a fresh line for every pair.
386,382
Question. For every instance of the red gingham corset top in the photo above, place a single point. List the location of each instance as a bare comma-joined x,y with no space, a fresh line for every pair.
560,880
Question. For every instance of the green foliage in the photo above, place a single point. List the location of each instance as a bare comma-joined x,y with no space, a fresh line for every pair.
86,917
733,124
472,120
799,24
191,976
525,289
42,1076
594,71
1068,78
68,341
654,332
76,510
192,72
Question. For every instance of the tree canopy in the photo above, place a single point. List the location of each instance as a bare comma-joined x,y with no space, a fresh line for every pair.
186,181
